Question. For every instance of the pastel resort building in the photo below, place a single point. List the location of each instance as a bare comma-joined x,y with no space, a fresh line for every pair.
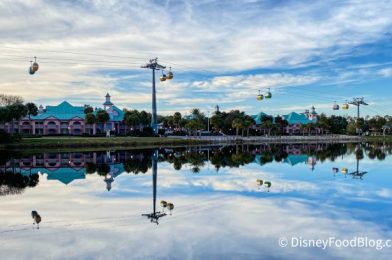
67,119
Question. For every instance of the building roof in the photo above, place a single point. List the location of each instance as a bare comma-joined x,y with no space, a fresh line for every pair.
117,115
295,118
107,101
259,117
64,175
294,159
66,111
313,111
63,111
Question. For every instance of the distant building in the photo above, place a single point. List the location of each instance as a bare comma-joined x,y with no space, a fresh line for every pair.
259,118
295,120
66,119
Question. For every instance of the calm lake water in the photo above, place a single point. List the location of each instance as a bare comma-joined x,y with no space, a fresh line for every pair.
92,203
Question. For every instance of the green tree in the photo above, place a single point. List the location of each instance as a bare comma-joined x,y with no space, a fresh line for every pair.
323,123
197,114
176,118
12,109
280,124
266,123
337,124
247,123
229,117
217,121
145,118
90,119
309,127
376,123
88,109
15,112
182,123
4,115
351,128
237,124
7,100
168,121
360,124
102,117
132,118
194,125
32,109
302,128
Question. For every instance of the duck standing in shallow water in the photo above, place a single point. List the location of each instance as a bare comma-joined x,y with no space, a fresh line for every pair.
36,217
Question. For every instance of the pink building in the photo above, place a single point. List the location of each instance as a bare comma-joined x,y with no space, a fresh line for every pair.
66,119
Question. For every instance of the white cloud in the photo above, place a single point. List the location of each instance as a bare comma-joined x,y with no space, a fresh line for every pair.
188,35
387,72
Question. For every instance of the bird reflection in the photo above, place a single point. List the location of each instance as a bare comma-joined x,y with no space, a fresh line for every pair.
36,217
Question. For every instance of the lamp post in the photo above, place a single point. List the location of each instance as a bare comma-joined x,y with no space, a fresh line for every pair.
208,121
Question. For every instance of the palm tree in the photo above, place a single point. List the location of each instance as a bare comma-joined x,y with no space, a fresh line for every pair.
322,123
15,112
102,117
90,119
267,125
302,129
309,126
197,114
237,124
32,109
247,123
194,125
176,118
88,109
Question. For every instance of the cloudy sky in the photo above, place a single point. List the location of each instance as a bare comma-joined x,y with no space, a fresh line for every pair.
222,52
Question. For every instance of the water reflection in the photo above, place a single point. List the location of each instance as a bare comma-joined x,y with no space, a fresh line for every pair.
20,172
36,217
156,215
230,202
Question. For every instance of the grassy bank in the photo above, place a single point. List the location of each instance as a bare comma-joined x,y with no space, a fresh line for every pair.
387,138
83,142
72,142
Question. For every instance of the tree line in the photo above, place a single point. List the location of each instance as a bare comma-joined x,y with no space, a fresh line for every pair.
13,108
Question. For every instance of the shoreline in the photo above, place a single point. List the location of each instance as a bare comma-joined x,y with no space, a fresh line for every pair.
277,139
173,141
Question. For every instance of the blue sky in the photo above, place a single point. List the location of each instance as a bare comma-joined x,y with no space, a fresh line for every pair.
222,52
